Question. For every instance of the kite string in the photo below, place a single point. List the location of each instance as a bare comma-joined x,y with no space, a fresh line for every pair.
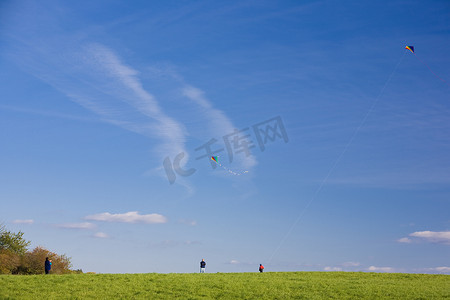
229,170
336,162
426,65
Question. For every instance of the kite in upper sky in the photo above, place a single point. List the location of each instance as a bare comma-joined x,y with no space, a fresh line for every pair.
216,160
410,48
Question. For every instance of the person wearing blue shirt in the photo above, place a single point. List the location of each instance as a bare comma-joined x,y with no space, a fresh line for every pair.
48,265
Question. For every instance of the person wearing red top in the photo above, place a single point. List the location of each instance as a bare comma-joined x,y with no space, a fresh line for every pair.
261,268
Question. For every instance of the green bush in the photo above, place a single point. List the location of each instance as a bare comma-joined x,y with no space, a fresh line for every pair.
13,242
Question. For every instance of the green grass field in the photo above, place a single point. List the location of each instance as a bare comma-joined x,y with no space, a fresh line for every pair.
282,285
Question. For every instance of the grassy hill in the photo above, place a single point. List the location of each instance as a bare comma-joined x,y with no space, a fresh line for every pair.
276,285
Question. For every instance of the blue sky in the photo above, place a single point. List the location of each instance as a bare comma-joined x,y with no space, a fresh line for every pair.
353,174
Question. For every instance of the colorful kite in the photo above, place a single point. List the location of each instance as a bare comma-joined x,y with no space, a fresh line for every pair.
216,160
410,48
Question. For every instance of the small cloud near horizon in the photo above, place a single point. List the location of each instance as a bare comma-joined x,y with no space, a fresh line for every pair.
405,240
188,222
441,270
381,269
84,225
350,264
437,237
28,221
128,217
332,269
237,262
101,235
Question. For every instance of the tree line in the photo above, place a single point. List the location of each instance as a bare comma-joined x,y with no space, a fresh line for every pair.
15,258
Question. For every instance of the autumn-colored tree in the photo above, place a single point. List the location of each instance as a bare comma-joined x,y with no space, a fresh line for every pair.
9,261
15,259
33,262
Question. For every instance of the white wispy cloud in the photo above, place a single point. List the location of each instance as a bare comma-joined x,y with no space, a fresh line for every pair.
101,235
332,269
350,264
345,266
204,120
128,217
434,270
445,270
97,78
188,222
219,123
405,240
28,221
242,263
433,236
381,269
84,225
129,89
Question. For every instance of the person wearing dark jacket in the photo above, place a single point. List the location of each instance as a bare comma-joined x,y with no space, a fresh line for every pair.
202,266
48,265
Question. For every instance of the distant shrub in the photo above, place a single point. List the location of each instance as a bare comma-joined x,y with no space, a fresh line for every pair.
9,261
32,262
15,259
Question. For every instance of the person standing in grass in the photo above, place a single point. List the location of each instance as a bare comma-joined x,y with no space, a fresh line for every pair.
202,266
48,265
261,268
